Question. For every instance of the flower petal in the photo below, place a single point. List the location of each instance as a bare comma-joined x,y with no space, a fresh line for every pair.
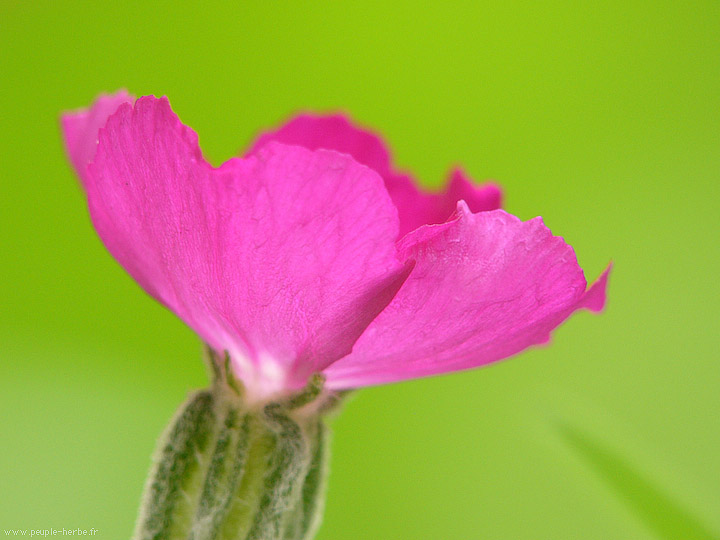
427,208
485,286
332,132
282,258
80,128
415,207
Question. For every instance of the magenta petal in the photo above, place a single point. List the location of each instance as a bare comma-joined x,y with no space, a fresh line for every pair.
415,207
485,286
332,132
282,258
594,298
423,208
80,128
478,198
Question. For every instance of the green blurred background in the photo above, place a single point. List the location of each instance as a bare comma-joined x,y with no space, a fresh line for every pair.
603,117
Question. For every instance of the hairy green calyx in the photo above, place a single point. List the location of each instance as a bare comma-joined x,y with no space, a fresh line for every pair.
227,471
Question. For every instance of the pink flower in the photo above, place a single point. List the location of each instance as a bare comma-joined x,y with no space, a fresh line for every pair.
312,254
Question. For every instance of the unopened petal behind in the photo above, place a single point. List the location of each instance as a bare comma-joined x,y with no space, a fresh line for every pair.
416,207
484,287
427,208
